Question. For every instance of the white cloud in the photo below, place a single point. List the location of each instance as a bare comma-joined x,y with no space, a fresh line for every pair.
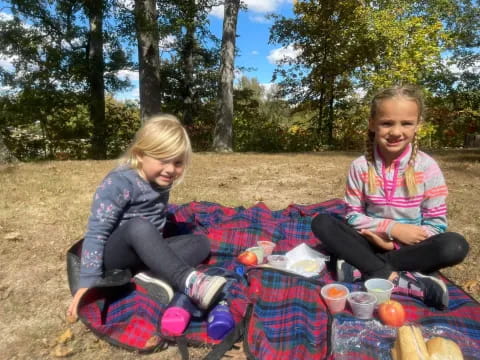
128,4
128,74
264,6
167,43
284,53
255,52
5,16
256,6
259,19
217,11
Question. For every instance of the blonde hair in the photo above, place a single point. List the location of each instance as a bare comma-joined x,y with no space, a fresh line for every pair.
161,137
408,92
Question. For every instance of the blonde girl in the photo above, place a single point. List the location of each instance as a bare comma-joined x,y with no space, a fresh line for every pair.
128,215
396,212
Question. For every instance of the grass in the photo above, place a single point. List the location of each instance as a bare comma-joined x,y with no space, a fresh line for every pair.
44,209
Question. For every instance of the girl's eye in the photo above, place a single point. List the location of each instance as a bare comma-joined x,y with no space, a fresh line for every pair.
178,163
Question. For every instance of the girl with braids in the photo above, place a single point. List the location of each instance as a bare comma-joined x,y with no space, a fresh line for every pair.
396,211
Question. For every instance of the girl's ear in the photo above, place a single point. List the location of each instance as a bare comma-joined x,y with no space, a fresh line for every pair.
139,158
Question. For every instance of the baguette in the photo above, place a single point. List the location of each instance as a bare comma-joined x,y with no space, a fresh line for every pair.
409,344
443,349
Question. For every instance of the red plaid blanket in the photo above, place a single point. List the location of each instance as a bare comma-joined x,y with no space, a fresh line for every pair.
285,315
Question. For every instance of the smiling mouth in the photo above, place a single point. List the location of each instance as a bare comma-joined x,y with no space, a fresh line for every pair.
394,142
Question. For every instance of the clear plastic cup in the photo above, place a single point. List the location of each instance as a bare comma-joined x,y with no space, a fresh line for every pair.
381,288
335,296
267,246
278,261
258,251
362,304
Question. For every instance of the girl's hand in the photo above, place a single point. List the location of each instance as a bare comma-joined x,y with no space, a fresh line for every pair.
408,234
72,314
377,240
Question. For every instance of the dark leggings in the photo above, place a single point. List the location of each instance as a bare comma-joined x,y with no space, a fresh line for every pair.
138,245
430,255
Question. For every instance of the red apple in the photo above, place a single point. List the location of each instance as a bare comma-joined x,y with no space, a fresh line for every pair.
247,258
391,313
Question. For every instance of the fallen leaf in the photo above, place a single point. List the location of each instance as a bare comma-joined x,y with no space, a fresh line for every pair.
471,285
236,353
13,236
71,319
62,351
66,336
153,341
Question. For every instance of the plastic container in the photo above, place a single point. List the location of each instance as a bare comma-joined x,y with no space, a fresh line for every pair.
177,316
381,288
258,251
220,321
362,304
335,296
278,261
267,246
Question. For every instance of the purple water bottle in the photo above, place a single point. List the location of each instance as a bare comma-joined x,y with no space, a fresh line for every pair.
220,321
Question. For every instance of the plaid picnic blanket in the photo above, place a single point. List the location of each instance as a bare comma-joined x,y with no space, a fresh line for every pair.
283,314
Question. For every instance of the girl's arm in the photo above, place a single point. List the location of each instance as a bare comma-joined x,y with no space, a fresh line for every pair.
109,202
433,206
357,185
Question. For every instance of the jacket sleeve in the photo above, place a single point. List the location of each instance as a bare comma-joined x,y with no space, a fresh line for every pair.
109,202
434,207
357,185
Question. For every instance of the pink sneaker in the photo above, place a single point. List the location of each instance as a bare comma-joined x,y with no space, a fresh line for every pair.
204,289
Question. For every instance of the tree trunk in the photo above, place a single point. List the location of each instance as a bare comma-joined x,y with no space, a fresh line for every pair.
148,58
187,58
472,141
94,10
188,69
222,140
6,156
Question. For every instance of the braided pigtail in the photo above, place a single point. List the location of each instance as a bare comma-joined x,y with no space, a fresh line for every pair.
372,179
410,171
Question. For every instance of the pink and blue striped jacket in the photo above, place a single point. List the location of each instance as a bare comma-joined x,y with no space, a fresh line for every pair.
391,203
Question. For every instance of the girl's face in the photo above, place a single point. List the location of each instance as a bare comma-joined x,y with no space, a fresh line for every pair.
395,125
162,172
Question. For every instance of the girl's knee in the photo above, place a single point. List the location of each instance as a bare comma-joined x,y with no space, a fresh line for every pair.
320,222
138,227
203,243
454,249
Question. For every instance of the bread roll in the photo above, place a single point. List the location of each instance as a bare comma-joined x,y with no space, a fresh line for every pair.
443,349
409,344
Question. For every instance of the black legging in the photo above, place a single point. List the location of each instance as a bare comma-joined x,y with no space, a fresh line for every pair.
430,255
138,245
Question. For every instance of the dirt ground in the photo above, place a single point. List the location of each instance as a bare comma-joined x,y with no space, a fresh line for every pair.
44,208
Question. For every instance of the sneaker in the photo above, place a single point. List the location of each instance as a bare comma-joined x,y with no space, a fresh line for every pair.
156,288
346,272
431,290
204,289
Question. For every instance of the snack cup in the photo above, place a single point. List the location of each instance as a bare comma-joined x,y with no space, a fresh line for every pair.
362,304
335,296
258,251
267,246
381,288
278,261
